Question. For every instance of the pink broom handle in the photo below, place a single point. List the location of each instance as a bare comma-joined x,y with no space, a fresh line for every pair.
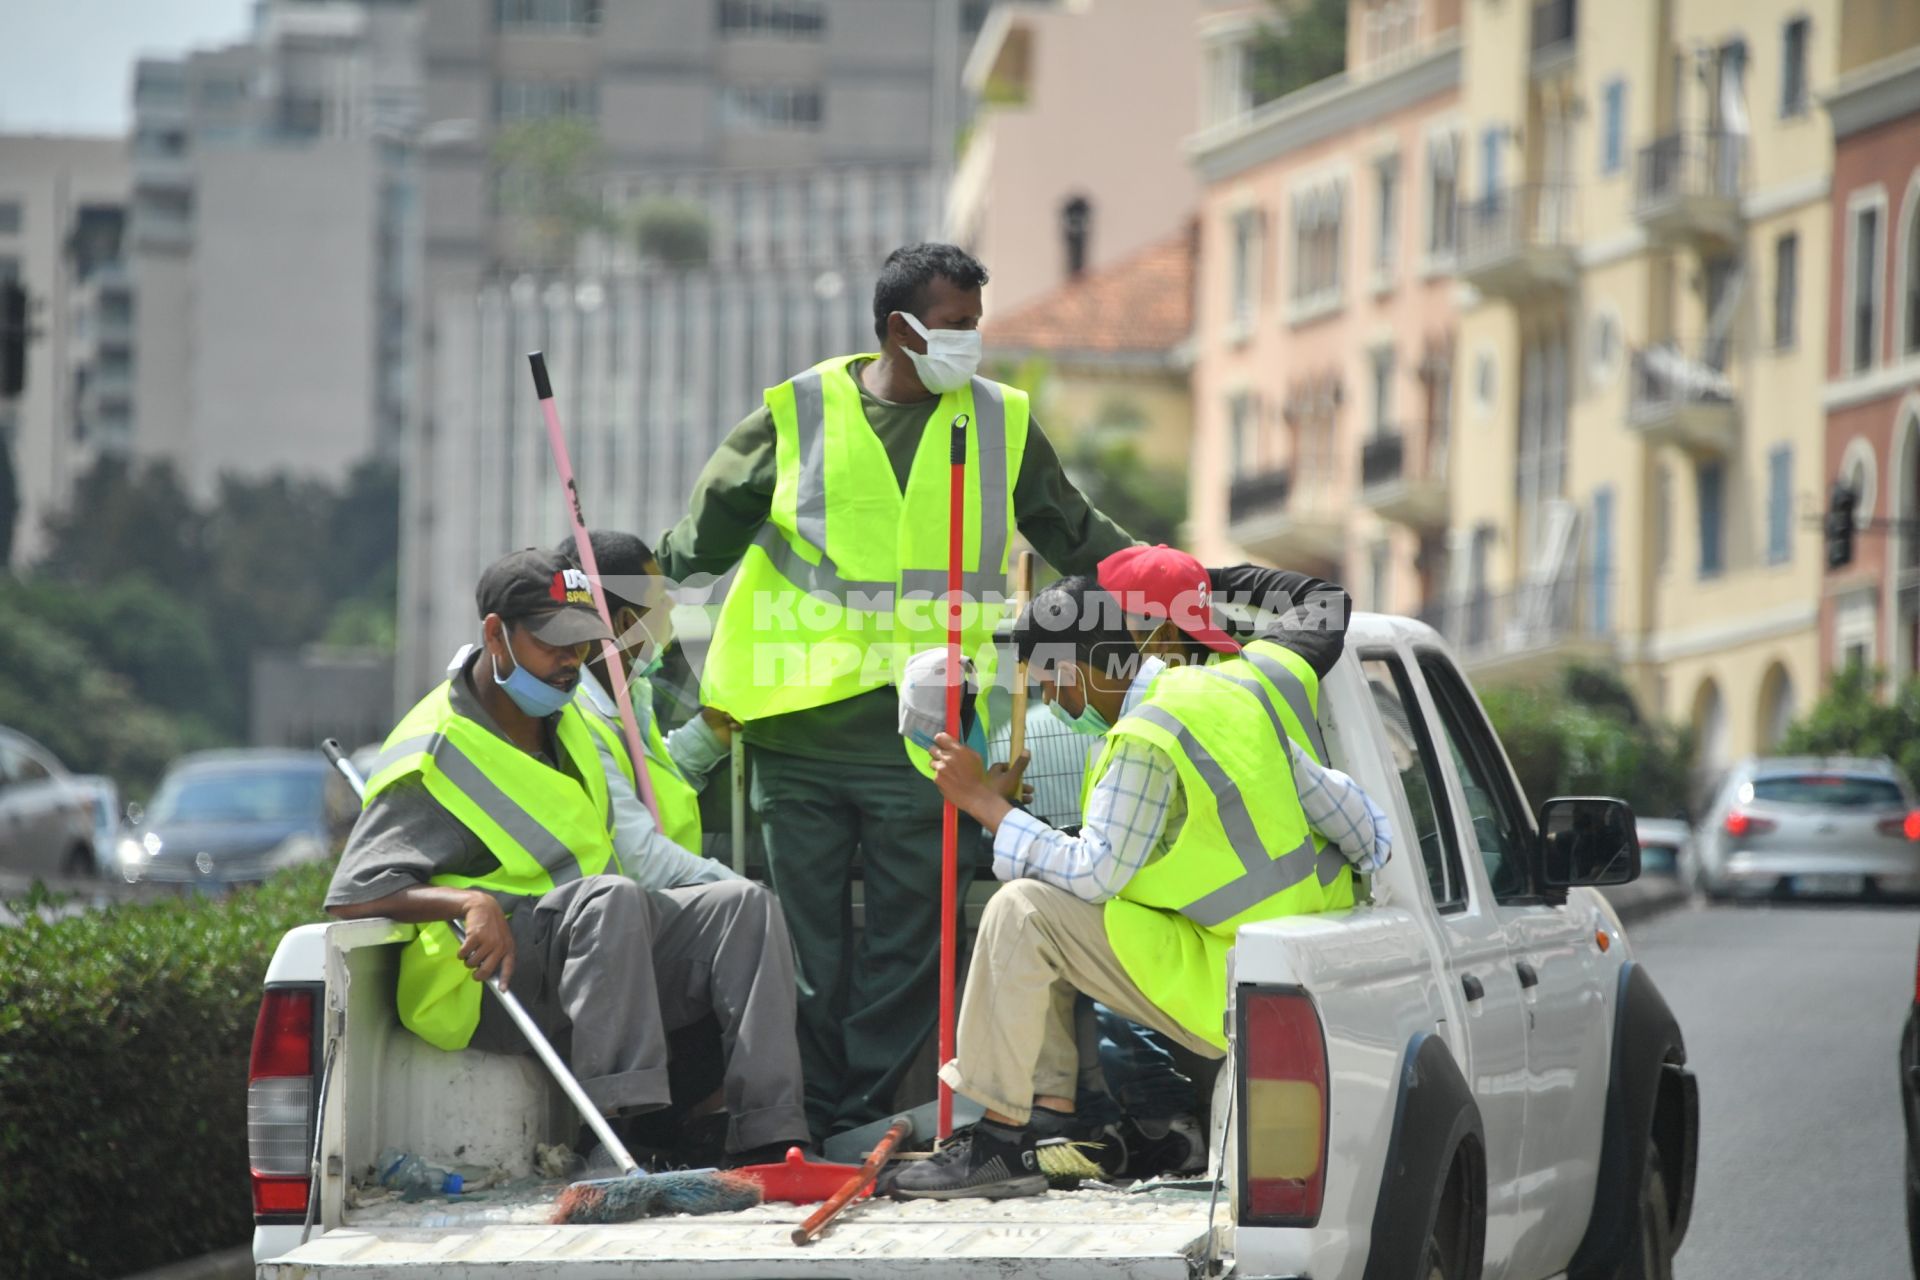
610,649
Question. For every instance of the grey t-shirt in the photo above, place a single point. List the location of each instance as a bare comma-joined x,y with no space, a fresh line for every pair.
406,837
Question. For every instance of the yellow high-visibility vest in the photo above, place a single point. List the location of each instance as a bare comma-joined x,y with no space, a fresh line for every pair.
543,826
845,581
679,802
1244,852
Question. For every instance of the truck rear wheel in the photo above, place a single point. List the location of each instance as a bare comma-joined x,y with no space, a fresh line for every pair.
1448,1238
1651,1254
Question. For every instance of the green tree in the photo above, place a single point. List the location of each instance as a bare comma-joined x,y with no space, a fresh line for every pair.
1584,736
673,233
1852,719
126,518
1150,502
544,172
1305,44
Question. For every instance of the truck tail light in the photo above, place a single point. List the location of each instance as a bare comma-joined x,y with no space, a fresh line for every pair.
1283,1114
1903,828
280,1119
1740,823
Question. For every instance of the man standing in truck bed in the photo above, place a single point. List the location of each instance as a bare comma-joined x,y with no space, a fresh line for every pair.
833,500
489,805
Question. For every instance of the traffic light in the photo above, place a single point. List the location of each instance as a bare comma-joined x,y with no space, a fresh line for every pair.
13,338
1840,525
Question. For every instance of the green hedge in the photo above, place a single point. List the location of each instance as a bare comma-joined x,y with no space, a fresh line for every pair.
124,1037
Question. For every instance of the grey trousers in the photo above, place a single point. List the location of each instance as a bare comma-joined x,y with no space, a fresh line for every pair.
609,970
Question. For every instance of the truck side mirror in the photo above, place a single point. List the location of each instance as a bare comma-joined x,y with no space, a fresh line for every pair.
1587,840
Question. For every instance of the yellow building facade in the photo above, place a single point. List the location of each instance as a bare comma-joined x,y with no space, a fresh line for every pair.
1641,351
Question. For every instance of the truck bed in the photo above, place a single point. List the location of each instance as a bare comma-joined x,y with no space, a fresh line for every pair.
1158,1234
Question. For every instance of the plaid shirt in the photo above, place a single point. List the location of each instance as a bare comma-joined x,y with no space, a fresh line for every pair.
1136,810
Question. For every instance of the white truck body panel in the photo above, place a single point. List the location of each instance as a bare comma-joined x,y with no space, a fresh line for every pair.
1535,1056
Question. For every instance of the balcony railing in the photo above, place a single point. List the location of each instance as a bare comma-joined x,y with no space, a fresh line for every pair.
1691,183
1681,394
1537,620
1262,493
1521,238
1383,459
1554,22
1405,480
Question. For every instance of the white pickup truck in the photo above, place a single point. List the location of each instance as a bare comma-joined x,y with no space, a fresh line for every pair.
1465,1075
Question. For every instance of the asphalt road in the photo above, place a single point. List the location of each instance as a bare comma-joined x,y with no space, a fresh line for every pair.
1792,1015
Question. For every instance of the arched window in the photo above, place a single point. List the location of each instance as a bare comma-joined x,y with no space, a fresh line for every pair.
1777,706
1907,305
1710,731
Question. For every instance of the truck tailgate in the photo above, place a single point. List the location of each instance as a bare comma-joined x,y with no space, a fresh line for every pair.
1091,1234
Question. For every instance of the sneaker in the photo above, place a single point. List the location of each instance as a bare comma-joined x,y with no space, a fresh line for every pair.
985,1162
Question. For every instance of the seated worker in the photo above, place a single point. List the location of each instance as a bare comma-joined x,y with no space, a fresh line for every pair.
488,805
667,855
1189,830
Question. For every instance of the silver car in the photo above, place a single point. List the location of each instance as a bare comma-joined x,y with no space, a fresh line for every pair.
50,822
1814,827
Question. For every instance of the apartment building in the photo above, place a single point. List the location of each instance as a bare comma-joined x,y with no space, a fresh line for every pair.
63,208
1324,327
272,225
1643,243
1871,606
1072,159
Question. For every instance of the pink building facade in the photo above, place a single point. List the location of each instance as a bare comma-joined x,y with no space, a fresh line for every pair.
1324,316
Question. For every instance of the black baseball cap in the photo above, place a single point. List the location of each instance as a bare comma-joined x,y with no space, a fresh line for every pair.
544,594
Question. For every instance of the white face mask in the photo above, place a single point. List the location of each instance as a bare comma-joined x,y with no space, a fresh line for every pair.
953,356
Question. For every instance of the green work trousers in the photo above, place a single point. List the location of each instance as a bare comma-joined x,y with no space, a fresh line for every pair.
867,1003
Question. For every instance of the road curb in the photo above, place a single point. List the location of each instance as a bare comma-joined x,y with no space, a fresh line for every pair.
227,1264
1646,898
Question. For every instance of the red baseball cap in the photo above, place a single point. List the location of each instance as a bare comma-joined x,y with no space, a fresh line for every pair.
1161,582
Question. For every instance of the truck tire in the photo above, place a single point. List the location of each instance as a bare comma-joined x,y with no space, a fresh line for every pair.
1651,1257
79,864
1913,1213
1449,1238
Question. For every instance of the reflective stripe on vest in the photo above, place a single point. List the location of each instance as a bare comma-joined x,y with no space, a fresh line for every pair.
1291,689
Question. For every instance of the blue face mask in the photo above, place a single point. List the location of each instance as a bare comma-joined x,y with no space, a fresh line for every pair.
1089,722
529,692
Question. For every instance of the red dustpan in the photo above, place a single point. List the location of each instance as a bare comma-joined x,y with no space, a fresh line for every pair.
798,1180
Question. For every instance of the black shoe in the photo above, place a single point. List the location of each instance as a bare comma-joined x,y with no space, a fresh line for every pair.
985,1162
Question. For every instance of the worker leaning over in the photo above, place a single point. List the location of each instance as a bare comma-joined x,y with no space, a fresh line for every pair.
1188,831
833,500
489,805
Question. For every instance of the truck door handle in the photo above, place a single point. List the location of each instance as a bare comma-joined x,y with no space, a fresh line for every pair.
1471,985
1528,977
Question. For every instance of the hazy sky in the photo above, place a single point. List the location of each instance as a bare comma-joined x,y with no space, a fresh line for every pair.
66,65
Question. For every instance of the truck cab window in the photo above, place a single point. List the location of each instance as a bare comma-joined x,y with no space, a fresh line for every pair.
1415,762
1499,820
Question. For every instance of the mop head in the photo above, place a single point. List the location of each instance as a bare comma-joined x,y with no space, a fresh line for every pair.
1066,1163
654,1195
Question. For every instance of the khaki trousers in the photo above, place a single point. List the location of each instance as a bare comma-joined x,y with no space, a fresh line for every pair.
1038,947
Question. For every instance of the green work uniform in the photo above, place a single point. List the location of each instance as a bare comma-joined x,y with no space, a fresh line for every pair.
833,779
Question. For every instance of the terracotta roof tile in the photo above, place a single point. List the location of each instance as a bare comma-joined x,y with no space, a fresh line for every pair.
1140,305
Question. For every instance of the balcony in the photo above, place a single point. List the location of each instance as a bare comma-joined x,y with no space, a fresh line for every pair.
1531,631
1520,241
1682,396
1270,518
1687,187
1403,482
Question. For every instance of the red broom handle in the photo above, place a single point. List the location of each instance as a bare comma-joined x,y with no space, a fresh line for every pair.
556,438
950,816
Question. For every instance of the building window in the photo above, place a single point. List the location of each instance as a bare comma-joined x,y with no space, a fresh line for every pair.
779,19
1382,391
517,100
1379,571
1786,289
1243,425
9,217
1793,69
547,15
1662,518
1613,125
1386,231
1249,253
1709,481
772,108
1541,452
1910,282
1603,561
1443,197
1780,505
1863,287
1492,139
1316,246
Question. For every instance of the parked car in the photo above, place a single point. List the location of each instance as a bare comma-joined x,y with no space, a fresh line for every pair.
49,820
1805,826
1666,846
1910,1110
221,818
1466,1073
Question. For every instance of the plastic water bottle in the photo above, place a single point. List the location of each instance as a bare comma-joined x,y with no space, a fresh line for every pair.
414,1178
